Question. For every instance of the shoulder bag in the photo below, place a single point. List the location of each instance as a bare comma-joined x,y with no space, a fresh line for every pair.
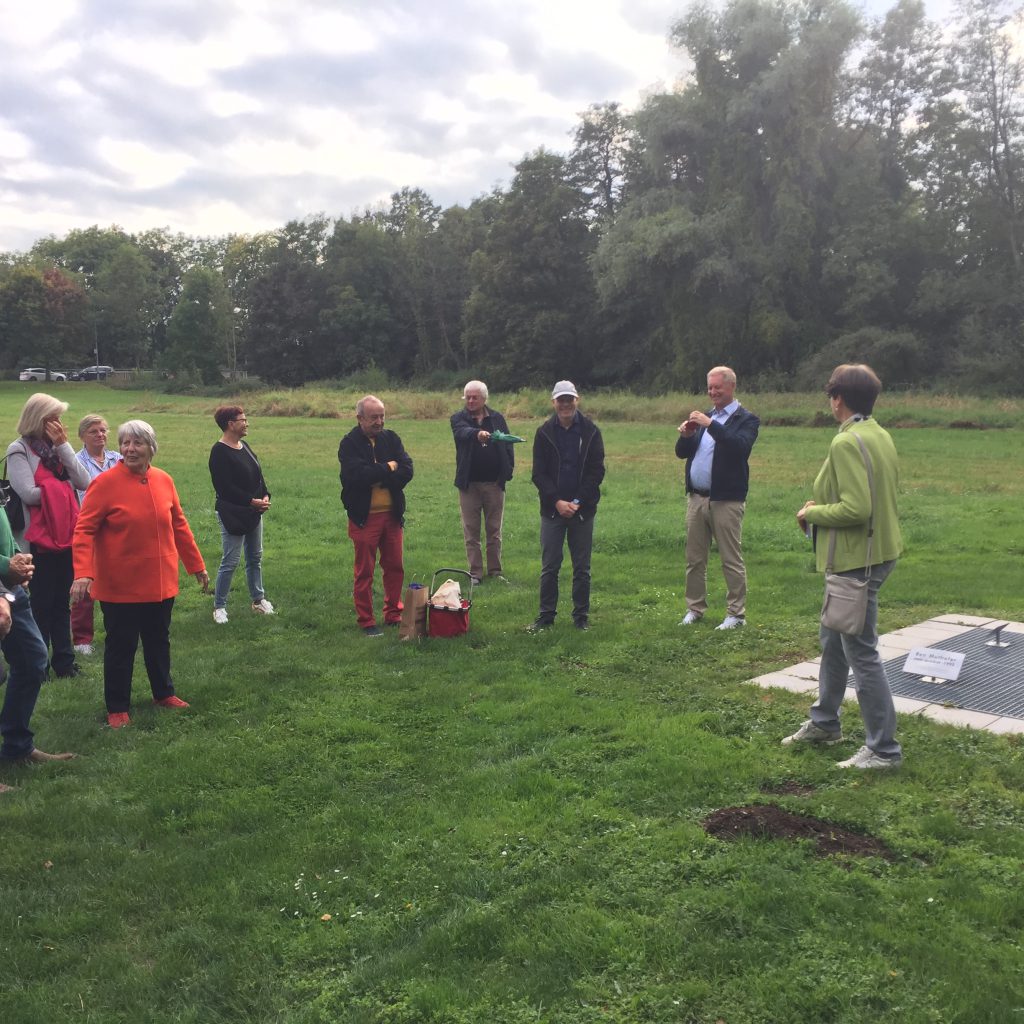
10,500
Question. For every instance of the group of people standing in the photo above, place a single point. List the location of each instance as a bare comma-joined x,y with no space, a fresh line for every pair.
108,526
568,469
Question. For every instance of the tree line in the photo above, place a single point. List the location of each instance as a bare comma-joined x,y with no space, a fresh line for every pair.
818,189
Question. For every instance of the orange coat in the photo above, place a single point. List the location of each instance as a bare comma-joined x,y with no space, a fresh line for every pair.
130,533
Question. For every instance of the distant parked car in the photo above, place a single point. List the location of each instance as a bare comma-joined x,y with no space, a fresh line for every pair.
95,372
39,373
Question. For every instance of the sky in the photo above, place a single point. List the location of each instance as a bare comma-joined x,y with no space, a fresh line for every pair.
211,117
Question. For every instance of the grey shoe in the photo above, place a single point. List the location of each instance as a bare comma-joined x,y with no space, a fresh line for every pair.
866,758
811,733
373,631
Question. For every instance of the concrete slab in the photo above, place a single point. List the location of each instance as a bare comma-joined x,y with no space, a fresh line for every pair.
803,677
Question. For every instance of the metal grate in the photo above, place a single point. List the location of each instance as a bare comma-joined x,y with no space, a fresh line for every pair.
991,680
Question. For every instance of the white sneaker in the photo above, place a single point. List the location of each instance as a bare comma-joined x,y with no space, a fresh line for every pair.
83,648
732,622
690,618
220,615
866,758
811,733
264,607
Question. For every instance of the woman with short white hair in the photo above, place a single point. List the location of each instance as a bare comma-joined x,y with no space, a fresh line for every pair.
129,538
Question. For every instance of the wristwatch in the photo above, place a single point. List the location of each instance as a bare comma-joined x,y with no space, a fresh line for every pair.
8,596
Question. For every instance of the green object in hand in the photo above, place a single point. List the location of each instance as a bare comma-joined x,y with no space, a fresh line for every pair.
500,435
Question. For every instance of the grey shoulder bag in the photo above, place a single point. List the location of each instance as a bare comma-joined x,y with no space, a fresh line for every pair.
845,606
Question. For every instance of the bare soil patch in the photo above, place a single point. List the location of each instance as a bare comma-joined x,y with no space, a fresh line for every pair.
766,821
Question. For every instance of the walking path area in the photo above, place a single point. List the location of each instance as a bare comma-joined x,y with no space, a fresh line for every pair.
992,700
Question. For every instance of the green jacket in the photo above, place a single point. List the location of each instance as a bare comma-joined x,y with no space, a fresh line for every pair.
7,545
843,499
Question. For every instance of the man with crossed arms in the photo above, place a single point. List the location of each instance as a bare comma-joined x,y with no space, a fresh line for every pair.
716,446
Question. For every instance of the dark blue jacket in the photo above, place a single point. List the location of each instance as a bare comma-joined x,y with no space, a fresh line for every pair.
546,461
464,430
363,465
730,474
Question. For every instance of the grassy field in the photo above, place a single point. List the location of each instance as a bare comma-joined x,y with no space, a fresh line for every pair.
506,827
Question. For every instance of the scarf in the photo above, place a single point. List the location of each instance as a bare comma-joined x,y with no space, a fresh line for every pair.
43,447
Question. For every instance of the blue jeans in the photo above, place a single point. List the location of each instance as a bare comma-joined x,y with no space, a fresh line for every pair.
554,532
26,655
253,544
841,654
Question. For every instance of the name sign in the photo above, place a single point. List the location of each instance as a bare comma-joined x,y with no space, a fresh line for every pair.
929,661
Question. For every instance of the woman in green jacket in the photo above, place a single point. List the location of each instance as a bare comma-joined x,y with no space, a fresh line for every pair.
842,506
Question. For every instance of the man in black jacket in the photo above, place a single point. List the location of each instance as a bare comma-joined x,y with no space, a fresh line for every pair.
482,467
716,446
568,467
374,471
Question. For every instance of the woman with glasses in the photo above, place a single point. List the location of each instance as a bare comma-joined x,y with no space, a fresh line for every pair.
242,498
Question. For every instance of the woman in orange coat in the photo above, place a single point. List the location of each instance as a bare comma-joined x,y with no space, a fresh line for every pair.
130,534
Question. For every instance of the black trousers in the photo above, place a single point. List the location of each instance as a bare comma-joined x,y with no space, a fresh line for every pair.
49,595
126,624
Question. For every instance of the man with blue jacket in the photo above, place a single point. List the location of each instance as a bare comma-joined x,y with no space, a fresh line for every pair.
568,467
716,446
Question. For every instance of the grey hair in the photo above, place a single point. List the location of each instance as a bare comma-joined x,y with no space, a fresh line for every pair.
88,420
476,385
361,404
138,429
723,371
36,411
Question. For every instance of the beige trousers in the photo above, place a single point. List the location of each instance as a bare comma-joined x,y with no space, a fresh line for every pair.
722,521
487,499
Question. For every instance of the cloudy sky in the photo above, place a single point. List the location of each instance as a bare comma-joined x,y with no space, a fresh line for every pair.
211,116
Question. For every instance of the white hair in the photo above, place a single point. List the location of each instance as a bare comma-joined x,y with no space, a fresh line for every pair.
476,385
140,430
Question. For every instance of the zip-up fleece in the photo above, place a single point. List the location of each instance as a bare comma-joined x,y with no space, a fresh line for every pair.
546,460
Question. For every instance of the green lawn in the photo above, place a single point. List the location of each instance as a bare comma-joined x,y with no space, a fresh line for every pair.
507,827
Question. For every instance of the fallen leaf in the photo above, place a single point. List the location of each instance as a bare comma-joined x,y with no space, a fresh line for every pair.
47,864
325,917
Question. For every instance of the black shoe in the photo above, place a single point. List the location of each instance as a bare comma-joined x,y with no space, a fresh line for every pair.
540,623
74,670
373,631
583,624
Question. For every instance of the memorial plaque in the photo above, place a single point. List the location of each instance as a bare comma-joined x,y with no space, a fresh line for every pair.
934,663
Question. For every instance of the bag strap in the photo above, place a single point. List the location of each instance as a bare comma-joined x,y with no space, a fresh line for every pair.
830,559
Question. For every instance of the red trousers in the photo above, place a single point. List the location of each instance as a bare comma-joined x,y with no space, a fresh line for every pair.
81,621
381,533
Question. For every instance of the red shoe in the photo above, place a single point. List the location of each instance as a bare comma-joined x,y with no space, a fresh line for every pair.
118,719
170,702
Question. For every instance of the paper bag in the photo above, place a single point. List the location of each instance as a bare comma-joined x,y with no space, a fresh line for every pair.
414,614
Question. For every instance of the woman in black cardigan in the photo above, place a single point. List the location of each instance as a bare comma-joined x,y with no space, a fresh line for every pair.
242,498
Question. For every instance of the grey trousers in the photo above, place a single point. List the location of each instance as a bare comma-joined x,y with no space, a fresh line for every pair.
553,534
841,653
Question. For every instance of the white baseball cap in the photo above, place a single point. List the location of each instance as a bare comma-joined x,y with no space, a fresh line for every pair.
564,387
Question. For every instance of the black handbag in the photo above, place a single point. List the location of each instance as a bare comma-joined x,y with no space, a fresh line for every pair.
10,500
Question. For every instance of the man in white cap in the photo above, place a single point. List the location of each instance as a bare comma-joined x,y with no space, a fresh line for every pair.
568,467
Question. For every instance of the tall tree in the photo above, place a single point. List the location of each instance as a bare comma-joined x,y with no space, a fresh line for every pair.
530,315
200,328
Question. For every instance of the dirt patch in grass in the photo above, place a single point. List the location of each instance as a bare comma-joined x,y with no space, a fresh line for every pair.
765,821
